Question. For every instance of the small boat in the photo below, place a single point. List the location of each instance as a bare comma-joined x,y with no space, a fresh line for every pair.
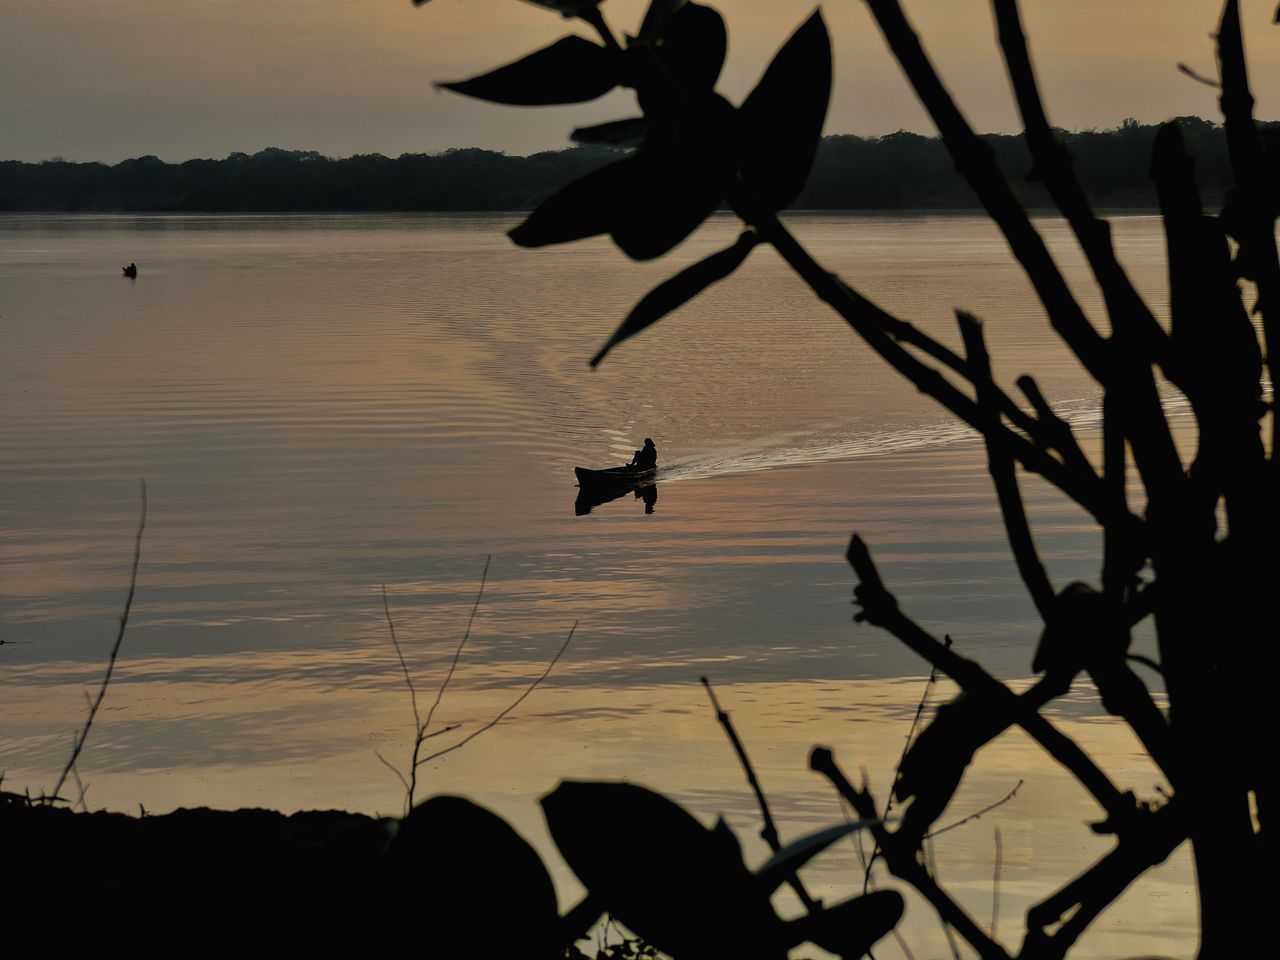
131,271
597,487
617,478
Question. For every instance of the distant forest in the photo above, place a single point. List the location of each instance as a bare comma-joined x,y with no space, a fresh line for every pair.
895,172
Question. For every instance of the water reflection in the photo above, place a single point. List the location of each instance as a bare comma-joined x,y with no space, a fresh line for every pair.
591,497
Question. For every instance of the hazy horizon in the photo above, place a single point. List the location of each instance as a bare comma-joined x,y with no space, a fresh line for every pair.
182,80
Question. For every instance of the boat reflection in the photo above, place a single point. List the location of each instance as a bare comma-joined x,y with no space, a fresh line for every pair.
591,497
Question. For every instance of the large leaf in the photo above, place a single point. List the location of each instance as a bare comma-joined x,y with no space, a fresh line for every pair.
782,118
680,62
692,46
671,196
454,862
679,290
592,205
678,885
684,168
615,133
851,928
571,70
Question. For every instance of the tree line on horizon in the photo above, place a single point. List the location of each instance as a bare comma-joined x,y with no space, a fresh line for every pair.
897,171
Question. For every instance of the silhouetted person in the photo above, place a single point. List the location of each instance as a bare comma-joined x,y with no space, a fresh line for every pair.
645,458
131,271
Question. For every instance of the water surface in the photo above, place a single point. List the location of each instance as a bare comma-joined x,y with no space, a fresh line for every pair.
323,405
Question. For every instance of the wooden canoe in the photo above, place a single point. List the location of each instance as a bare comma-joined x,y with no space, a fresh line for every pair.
615,477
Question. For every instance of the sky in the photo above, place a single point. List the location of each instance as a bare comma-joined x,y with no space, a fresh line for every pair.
109,79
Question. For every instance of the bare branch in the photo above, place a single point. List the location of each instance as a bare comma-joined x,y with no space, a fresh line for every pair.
484,577
399,776
769,832
1001,466
1142,845
408,680
867,864
974,160
977,814
1055,168
868,320
515,703
880,607
1059,434
1253,215
115,648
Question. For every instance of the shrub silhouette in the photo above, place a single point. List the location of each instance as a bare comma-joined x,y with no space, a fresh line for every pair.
1197,555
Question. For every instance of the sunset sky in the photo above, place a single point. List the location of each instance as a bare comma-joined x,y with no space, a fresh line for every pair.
89,80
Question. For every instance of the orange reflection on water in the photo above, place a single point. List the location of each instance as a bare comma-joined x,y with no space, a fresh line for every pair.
294,740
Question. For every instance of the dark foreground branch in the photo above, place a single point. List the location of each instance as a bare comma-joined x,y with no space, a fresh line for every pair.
769,831
880,608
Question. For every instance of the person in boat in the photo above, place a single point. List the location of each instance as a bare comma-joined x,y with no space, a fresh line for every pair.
131,270
645,458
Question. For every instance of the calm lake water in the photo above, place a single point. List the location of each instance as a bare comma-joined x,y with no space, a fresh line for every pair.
323,405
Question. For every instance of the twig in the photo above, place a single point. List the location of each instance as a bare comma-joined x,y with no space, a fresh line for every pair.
515,703
399,776
484,577
1199,77
931,857
769,831
115,648
420,726
902,862
404,667
995,885
977,814
82,790
897,770
880,608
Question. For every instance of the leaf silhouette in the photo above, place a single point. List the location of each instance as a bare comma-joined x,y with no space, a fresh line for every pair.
799,852
678,290
708,903
683,170
691,46
454,859
615,133
571,70
851,928
782,118
589,206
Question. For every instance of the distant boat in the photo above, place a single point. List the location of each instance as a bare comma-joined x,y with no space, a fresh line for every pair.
615,478
596,487
131,271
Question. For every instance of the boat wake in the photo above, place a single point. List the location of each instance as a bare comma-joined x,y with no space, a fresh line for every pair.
768,453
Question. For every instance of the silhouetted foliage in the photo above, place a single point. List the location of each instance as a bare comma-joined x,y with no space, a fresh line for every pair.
1198,557
898,171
